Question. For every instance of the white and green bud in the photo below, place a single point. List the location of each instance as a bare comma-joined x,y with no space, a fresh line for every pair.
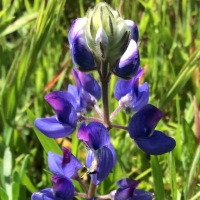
107,34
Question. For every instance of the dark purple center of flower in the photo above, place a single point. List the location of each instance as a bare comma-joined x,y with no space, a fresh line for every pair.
66,156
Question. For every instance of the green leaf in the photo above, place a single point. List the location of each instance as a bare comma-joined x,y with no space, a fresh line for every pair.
29,185
3,195
23,167
19,23
193,168
157,178
15,186
172,173
184,75
48,144
7,171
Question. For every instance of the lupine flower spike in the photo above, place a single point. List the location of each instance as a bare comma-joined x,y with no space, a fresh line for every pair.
104,43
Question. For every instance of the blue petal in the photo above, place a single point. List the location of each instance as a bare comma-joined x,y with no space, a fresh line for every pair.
81,104
122,88
45,194
65,111
142,97
52,128
134,33
89,158
88,83
127,183
95,135
76,26
123,194
131,194
144,121
63,188
66,165
104,166
59,95
70,164
142,195
156,144
81,55
129,62
55,164
110,146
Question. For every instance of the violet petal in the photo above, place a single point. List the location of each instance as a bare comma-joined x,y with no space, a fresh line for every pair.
156,144
88,83
144,121
134,33
81,55
63,188
76,26
52,128
104,164
127,182
129,62
64,109
45,194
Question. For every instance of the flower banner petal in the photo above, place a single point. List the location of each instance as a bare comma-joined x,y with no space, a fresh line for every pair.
88,83
65,111
144,121
127,182
63,188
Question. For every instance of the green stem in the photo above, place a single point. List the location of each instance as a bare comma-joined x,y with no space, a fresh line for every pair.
105,90
92,189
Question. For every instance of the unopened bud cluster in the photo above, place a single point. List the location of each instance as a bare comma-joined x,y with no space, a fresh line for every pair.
103,36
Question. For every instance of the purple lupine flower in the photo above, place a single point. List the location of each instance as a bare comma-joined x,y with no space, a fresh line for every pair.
141,129
127,191
81,103
101,157
64,168
130,95
64,122
129,63
87,87
62,189
134,34
81,55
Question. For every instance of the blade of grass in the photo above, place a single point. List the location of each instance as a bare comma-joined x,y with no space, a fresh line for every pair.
192,171
157,178
172,172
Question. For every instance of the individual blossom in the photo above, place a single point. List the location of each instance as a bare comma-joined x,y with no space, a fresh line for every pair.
88,88
127,191
129,63
64,122
141,129
64,168
101,157
130,94
81,54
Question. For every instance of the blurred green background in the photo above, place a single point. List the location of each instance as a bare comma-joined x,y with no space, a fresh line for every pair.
35,59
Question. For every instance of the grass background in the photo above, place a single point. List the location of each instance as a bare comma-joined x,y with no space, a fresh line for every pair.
35,59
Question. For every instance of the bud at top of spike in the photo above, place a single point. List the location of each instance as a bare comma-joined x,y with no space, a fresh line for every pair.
107,34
